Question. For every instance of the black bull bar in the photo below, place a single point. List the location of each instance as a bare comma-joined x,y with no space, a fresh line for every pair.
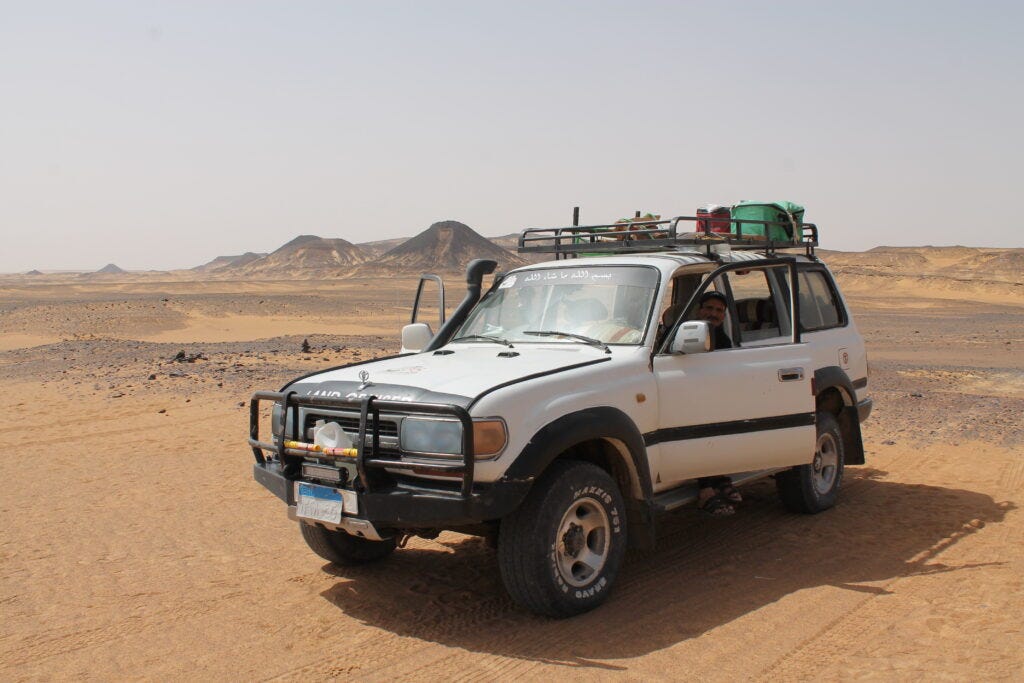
367,455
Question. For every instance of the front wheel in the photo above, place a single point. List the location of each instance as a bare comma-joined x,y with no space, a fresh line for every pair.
814,487
342,548
560,551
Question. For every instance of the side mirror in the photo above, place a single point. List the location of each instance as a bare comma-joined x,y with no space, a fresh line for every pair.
693,336
415,337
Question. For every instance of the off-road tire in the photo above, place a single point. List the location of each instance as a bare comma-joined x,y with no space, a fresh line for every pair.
342,548
560,551
814,487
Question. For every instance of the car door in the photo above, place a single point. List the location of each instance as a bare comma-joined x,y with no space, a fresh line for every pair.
744,408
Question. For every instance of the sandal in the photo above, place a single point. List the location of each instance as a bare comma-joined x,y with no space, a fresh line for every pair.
717,506
730,493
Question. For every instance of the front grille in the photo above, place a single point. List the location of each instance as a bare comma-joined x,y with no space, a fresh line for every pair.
350,425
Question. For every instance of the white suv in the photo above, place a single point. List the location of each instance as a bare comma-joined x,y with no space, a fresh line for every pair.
562,412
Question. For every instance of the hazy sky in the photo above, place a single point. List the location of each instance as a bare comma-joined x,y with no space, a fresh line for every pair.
162,134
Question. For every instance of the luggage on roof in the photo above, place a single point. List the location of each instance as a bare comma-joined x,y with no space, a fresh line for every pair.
713,218
778,221
708,232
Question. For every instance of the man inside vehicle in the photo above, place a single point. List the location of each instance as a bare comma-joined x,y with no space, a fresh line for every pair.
717,496
713,306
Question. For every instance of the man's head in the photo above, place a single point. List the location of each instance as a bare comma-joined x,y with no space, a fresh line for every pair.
712,308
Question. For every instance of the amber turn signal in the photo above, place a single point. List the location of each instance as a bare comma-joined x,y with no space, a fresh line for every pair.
489,437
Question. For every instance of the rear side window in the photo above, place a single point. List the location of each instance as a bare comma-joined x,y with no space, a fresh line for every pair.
819,304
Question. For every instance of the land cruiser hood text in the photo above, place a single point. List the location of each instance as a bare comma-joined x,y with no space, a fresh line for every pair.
470,370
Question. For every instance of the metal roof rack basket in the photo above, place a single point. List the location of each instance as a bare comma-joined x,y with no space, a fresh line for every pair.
647,236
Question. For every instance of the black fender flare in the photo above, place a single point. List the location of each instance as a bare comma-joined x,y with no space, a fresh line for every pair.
590,424
833,376
584,425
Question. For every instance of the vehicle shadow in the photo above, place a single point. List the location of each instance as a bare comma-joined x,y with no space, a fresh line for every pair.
704,573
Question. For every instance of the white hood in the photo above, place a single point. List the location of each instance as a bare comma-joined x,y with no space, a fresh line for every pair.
457,370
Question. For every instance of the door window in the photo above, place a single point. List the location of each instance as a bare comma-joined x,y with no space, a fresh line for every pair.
761,300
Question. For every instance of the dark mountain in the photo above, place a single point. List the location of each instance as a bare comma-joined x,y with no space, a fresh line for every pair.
446,246
110,269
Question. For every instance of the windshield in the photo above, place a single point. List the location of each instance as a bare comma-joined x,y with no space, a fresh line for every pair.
610,304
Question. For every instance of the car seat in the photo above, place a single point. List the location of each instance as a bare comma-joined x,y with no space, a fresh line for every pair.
757,319
756,314
585,311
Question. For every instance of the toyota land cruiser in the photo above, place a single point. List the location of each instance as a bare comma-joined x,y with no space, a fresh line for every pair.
564,410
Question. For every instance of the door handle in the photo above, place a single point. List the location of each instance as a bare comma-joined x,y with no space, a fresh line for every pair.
791,374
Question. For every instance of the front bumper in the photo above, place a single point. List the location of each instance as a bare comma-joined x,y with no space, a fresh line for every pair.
412,506
387,497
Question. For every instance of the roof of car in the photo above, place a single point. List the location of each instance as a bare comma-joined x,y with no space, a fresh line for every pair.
662,260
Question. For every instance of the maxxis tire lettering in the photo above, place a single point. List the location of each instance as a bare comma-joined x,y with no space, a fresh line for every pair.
538,530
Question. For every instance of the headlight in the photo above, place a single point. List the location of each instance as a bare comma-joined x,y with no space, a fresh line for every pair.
444,437
438,437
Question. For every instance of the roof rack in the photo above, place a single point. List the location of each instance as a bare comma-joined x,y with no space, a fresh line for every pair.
647,236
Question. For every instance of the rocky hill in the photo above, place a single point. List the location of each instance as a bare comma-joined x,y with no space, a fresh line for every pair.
304,256
380,247
510,241
222,261
445,246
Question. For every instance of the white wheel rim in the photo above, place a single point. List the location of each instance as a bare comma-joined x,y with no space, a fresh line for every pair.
825,464
582,542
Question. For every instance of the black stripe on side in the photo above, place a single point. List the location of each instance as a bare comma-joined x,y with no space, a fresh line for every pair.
860,383
761,424
535,376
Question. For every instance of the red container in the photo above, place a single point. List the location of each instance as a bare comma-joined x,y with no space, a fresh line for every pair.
714,217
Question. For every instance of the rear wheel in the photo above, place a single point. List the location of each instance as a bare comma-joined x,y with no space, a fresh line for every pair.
560,551
342,548
814,487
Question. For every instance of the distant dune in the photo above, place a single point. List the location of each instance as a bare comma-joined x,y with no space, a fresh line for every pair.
969,262
963,273
956,272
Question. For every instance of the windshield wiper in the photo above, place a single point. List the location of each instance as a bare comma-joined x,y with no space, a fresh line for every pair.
578,337
484,337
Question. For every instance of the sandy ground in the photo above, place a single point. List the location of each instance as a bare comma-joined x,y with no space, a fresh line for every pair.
136,545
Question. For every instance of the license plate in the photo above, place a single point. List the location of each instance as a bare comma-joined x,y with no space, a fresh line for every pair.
324,504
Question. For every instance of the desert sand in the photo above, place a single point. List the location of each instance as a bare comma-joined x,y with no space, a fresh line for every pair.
135,543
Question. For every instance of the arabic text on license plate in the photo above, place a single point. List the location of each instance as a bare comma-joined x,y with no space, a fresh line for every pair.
321,503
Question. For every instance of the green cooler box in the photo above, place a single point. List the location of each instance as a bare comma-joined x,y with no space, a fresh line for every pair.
786,216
